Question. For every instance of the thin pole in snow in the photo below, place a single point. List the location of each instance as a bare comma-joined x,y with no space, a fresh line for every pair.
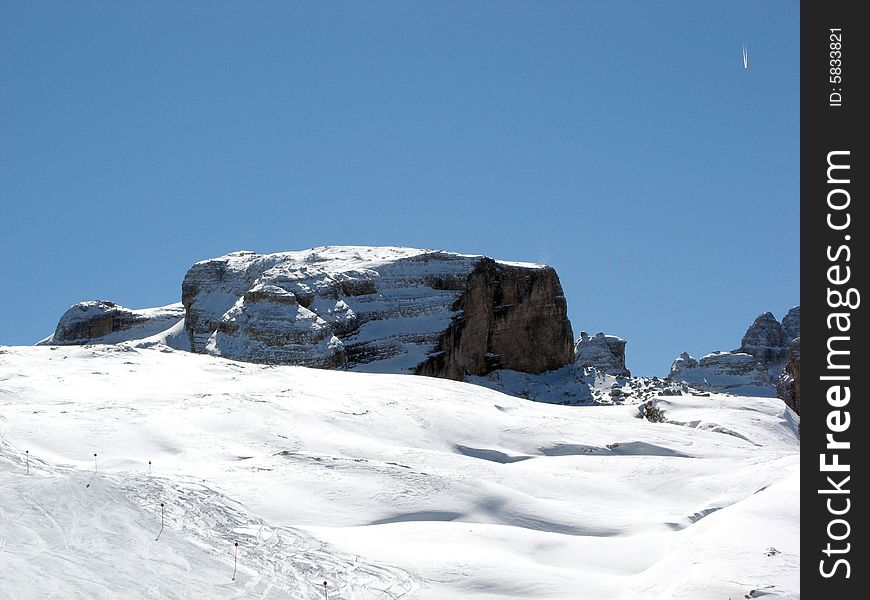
95,471
27,461
325,595
235,559
149,467
161,523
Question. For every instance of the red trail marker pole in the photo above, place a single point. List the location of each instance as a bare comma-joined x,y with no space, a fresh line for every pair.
27,461
325,595
235,559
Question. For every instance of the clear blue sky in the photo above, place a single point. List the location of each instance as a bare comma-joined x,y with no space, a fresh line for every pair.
621,142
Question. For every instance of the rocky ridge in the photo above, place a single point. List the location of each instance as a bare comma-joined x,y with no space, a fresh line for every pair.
720,371
573,385
376,309
753,369
389,309
767,341
379,309
104,322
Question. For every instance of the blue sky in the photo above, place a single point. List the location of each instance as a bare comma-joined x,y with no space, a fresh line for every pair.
621,142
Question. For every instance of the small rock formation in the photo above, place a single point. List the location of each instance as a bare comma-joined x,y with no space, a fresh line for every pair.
682,366
788,385
603,352
104,322
574,385
383,309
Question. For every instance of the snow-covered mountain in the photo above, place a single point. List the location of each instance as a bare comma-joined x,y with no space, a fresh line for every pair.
767,339
103,322
752,369
384,486
733,372
373,309
390,309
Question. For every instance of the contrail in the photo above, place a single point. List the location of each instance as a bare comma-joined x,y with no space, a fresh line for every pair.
745,58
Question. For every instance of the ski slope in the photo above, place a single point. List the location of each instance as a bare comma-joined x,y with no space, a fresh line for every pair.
385,486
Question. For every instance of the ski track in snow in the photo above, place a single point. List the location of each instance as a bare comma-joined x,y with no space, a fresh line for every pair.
276,561
385,486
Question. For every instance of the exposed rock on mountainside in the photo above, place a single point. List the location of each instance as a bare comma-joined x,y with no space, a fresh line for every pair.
682,366
511,317
104,322
720,371
766,340
379,309
267,324
752,369
788,385
791,323
575,385
603,352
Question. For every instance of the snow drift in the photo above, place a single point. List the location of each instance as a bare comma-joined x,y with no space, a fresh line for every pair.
383,485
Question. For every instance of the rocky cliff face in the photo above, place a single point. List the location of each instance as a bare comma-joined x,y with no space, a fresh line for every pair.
508,317
603,352
104,322
269,325
788,385
382,309
791,323
766,340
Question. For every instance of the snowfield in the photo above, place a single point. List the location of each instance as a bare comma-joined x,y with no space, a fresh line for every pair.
385,486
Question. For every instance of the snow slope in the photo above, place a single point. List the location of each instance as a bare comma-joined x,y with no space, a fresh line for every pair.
575,385
386,486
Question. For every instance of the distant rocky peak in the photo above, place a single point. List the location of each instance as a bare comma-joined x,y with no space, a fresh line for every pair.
767,339
734,372
601,351
791,323
752,368
681,365
765,332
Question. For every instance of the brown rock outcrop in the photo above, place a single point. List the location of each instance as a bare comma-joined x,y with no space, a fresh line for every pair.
511,318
